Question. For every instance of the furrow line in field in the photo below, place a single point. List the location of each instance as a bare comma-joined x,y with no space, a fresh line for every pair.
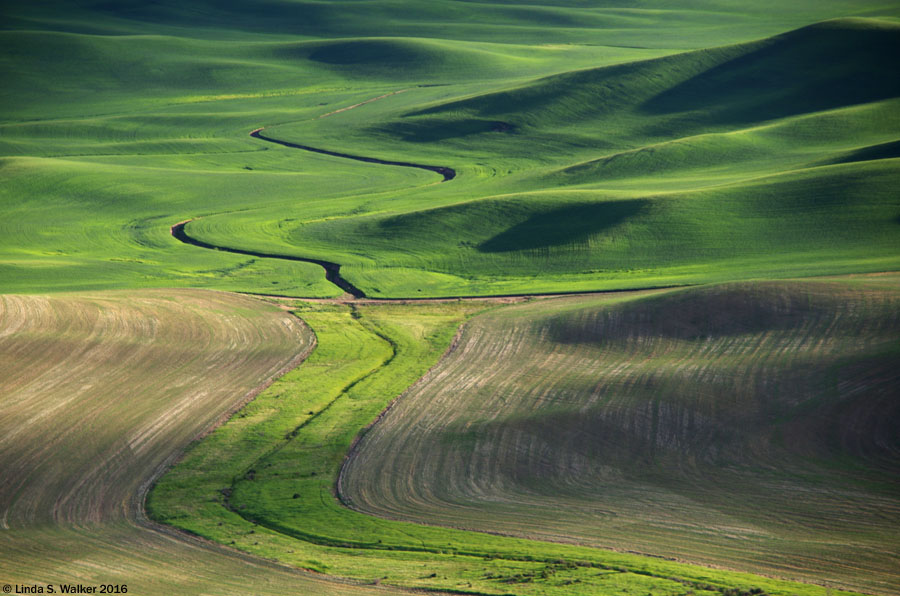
123,352
763,368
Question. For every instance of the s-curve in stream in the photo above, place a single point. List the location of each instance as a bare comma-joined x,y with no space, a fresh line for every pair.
332,270
447,173
333,274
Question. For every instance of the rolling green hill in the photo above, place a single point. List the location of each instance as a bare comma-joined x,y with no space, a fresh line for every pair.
668,166
594,145
702,166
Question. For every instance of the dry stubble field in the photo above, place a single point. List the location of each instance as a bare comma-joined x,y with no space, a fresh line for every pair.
100,393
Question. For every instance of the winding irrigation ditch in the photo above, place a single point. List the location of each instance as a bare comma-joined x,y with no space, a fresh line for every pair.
350,541
332,270
447,173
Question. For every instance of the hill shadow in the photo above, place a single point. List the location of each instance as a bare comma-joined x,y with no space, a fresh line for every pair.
370,52
563,225
441,129
888,150
824,66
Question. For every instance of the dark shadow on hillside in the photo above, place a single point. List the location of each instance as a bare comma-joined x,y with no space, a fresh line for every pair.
888,150
564,225
374,52
655,421
440,129
821,67
702,314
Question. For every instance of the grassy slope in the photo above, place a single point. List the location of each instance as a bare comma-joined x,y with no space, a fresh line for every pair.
705,166
748,425
644,23
99,393
121,118
158,135
264,481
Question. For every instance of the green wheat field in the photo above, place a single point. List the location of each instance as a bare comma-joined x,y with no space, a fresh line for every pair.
485,297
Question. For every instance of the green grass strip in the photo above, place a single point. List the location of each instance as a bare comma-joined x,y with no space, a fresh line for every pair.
264,482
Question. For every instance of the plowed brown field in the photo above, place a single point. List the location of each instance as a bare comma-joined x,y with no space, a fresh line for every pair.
100,393
754,426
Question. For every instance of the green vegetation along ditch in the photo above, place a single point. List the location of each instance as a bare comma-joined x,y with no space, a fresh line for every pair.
596,145
78,451
747,425
265,481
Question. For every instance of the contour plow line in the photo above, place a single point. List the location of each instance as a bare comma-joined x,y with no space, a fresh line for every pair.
336,405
